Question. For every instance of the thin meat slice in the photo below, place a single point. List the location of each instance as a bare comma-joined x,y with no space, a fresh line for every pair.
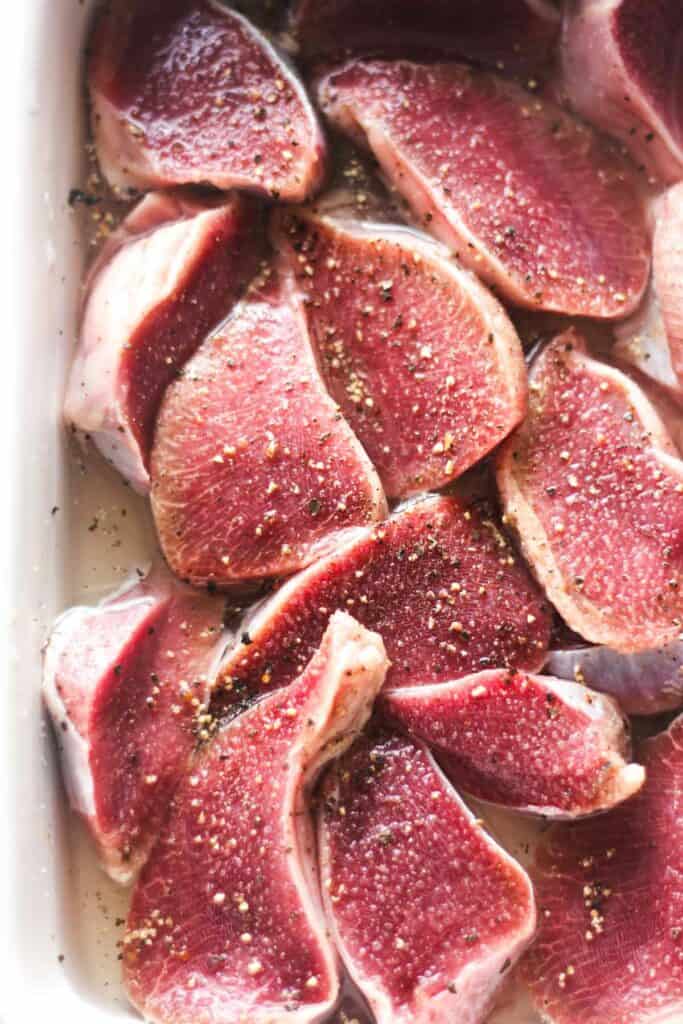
254,472
593,486
513,36
163,281
126,683
225,923
188,91
532,200
439,583
623,70
427,911
423,361
610,900
652,340
646,683
530,743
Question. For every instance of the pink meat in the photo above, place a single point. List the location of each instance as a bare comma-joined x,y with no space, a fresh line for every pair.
225,923
593,486
531,743
125,683
441,586
516,36
163,281
623,70
188,91
652,340
528,197
254,472
427,911
423,361
610,948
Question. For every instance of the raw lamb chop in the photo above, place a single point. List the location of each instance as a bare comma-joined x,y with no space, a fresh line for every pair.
652,340
188,91
592,484
423,361
427,911
225,923
522,40
531,743
644,684
254,471
611,906
125,683
441,586
623,70
529,198
170,273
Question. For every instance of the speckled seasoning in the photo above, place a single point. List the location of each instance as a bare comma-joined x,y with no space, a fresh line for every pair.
528,197
190,91
126,684
225,923
610,901
181,261
621,69
594,487
428,912
530,743
446,592
254,471
424,363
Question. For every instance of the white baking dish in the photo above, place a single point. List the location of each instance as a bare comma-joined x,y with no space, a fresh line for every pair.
58,911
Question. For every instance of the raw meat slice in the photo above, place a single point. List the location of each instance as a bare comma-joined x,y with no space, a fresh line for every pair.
254,471
644,684
623,70
531,743
188,91
529,198
165,280
126,683
427,911
611,905
652,340
592,484
425,364
226,923
522,41
443,588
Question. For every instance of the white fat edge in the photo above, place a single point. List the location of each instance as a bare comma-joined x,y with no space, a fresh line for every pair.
642,342
357,650
74,751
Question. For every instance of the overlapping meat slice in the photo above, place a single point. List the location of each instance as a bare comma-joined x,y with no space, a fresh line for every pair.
188,91
610,946
166,278
531,743
530,199
652,340
592,484
623,63
441,586
125,683
427,911
423,361
513,35
645,683
225,923
253,469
